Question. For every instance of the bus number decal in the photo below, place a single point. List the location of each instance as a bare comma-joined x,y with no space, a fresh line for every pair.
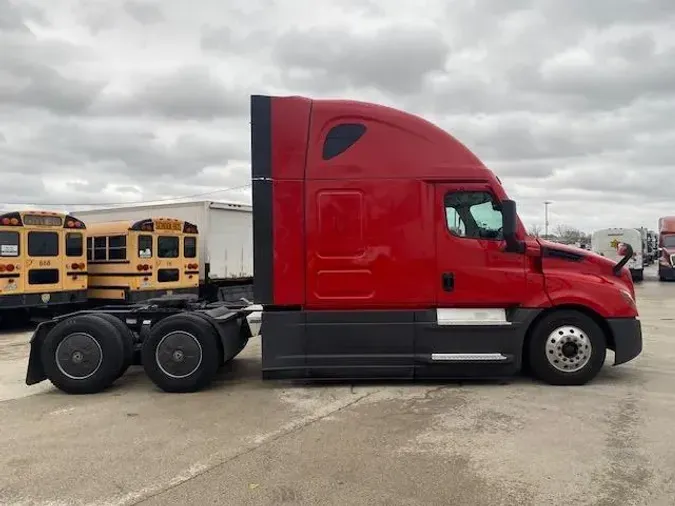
45,263
168,225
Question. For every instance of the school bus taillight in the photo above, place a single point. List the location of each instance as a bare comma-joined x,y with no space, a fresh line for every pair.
9,268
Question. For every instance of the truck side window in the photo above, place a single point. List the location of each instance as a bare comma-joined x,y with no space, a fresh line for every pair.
342,137
473,214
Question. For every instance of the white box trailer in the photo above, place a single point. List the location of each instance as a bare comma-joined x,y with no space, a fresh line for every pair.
225,240
606,241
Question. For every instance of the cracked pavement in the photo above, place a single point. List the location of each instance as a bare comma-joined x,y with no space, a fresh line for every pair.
245,441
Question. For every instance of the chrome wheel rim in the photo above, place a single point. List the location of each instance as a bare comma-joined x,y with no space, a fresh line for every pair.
568,349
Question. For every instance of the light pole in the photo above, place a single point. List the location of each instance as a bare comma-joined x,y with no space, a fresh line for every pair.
546,204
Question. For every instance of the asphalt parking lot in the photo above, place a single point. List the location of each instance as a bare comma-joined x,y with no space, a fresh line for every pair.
245,441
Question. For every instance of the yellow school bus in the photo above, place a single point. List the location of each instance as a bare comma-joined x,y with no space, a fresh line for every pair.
134,261
42,260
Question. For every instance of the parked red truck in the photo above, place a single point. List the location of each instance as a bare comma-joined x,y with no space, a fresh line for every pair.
666,248
383,248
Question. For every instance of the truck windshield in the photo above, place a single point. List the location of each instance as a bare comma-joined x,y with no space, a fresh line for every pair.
668,241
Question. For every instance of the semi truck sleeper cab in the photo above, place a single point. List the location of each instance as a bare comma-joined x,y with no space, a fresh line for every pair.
383,248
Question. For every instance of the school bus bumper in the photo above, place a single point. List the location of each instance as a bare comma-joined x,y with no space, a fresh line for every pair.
42,299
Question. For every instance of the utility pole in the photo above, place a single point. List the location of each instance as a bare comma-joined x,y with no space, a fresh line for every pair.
546,204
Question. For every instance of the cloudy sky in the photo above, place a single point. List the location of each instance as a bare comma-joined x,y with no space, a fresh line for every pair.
110,101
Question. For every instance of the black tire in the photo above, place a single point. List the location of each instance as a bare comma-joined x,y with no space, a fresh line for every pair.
542,345
126,336
90,354
191,338
221,355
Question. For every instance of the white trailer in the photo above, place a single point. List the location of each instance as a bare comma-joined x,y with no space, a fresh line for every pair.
646,259
605,242
225,240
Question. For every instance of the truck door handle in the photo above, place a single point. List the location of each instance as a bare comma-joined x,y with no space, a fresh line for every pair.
448,281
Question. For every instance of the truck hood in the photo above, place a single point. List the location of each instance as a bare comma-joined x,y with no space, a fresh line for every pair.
593,257
562,257
601,264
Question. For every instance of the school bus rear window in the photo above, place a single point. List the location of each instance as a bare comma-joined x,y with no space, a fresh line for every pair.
9,244
190,247
43,244
167,247
74,247
145,246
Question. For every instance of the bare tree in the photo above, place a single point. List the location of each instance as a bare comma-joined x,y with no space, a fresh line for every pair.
569,235
535,230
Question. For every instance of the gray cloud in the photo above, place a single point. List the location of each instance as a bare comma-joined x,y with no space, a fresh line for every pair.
190,92
130,154
395,59
144,12
38,86
606,13
29,67
11,18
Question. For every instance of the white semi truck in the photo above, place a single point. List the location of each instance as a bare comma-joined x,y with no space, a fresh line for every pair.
606,242
225,241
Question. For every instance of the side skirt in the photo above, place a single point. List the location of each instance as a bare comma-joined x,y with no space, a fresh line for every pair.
438,343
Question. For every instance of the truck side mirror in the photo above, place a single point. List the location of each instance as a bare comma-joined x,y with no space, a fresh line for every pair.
626,251
510,227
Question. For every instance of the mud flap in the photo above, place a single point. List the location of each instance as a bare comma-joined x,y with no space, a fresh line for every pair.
35,373
232,328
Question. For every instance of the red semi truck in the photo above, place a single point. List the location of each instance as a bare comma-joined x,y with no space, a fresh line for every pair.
666,248
383,248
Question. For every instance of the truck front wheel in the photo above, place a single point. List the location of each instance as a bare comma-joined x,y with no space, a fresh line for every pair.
566,348
181,354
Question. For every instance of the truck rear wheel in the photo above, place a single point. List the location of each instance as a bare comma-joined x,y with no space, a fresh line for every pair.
181,353
125,335
82,355
566,348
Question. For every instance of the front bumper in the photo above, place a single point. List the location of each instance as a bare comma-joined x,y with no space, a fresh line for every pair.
627,333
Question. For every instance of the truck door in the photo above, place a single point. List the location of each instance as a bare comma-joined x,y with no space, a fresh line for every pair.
473,268
477,281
